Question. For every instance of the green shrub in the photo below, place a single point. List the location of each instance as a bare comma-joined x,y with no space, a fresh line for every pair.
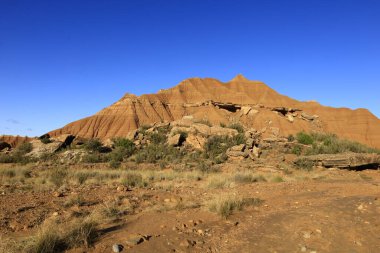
158,138
330,144
304,138
155,153
126,146
238,127
216,146
92,145
45,140
297,150
94,158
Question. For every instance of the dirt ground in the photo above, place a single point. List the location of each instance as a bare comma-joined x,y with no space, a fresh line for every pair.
317,211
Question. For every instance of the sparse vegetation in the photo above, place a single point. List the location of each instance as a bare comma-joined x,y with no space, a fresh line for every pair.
238,127
304,164
304,138
227,204
322,143
216,146
133,179
58,176
93,145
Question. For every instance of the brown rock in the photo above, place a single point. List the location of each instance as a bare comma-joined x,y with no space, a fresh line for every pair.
174,140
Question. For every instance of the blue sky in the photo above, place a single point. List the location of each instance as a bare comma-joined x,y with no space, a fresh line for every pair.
64,60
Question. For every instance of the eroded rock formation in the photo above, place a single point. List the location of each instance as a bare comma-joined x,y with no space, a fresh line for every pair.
252,103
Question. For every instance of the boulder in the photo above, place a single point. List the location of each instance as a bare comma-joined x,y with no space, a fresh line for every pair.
174,140
290,117
132,135
237,151
202,129
245,110
218,130
235,154
179,129
40,148
256,151
308,117
66,139
249,143
239,148
253,112
72,156
195,141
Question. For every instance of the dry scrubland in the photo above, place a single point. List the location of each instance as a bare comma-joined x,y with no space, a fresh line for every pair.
156,194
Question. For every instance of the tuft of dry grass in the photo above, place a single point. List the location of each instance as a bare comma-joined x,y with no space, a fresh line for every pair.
225,205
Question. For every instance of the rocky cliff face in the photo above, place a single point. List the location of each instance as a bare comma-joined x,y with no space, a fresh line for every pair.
252,103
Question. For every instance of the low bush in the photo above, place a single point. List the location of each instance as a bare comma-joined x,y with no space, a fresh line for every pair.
304,138
297,150
216,146
133,179
92,145
125,145
238,127
304,164
226,205
325,143
248,178
58,176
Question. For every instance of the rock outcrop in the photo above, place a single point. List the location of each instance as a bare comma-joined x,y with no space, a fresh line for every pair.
251,103
14,141
353,161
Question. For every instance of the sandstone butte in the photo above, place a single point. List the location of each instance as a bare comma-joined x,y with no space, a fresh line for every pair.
252,103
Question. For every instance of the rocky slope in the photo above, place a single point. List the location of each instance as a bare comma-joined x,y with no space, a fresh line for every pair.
252,103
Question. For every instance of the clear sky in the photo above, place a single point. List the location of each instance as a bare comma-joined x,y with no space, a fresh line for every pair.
64,60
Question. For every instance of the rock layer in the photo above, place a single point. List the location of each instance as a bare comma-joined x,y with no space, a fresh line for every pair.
252,103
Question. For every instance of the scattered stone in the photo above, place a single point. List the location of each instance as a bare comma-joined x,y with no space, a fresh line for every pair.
309,117
57,194
290,118
187,243
117,248
135,239
121,188
307,235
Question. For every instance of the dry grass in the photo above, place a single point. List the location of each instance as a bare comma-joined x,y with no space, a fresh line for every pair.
225,205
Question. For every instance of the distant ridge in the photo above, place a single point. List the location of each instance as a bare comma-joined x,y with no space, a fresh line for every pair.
252,103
